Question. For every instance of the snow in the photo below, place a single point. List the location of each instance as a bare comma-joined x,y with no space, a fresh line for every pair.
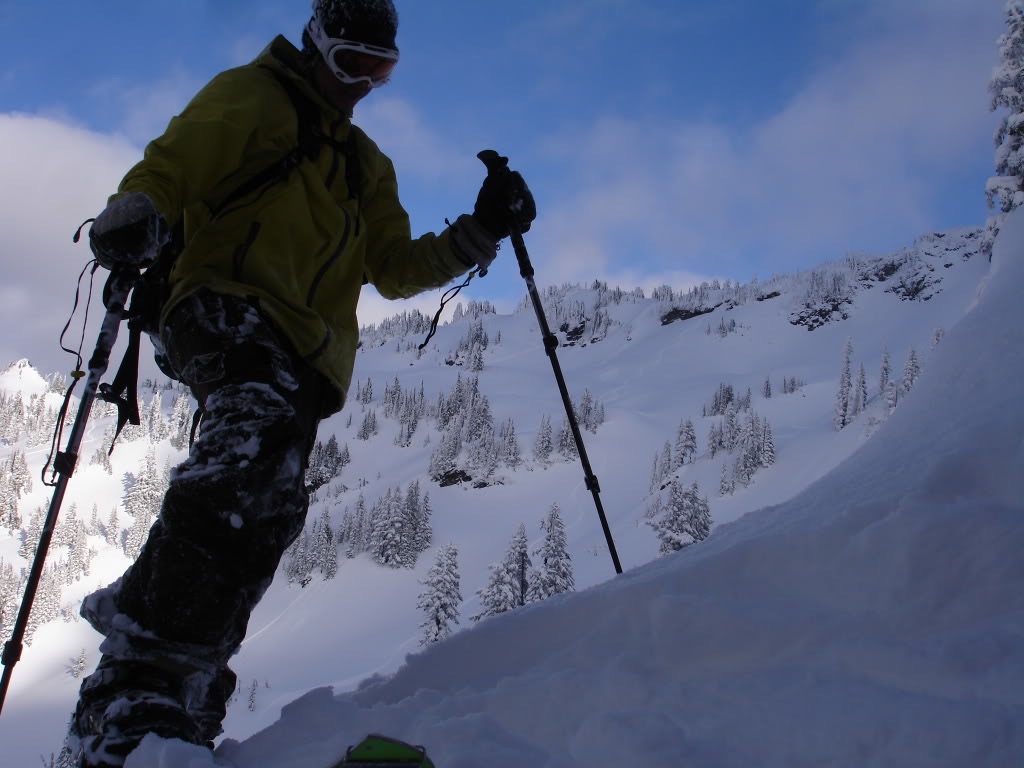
860,604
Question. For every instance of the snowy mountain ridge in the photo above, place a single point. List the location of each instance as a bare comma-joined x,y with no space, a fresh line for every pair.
648,377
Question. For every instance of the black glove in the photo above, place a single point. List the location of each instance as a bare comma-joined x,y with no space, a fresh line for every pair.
504,198
129,232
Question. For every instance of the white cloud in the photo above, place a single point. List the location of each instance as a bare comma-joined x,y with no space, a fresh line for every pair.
55,176
414,146
145,110
858,157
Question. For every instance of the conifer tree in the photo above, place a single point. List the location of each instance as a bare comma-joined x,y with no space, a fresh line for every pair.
110,528
685,520
497,596
10,594
911,371
357,528
326,547
1005,191
666,462
180,427
553,573
142,502
369,426
511,456
686,442
424,529
725,485
519,564
767,446
32,534
509,581
390,531
655,474
860,391
543,445
884,374
440,602
843,410
567,441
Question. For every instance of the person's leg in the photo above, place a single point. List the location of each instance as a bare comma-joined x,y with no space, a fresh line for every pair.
231,509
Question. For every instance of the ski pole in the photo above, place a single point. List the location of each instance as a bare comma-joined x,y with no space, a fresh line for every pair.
119,285
496,164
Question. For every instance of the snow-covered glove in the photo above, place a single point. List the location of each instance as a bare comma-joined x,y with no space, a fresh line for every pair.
472,244
504,198
129,232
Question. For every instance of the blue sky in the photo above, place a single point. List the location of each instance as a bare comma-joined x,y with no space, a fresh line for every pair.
665,141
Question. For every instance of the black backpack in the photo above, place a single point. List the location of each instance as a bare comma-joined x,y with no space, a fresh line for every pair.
152,290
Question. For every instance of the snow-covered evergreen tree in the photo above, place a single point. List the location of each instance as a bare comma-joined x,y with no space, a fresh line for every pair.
509,582
685,520
510,453
686,444
843,410
180,427
519,564
369,426
497,596
884,374
567,441
767,446
110,528
911,371
1005,190
544,443
11,587
553,573
860,391
142,502
726,484
440,602
390,532
357,528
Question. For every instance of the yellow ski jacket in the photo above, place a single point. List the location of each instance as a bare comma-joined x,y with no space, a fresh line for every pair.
300,247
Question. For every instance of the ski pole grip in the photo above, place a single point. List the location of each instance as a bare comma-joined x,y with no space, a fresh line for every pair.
494,162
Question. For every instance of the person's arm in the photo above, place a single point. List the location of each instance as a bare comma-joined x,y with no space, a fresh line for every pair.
400,266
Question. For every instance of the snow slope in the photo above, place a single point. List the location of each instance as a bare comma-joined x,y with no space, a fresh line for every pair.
877,618
858,604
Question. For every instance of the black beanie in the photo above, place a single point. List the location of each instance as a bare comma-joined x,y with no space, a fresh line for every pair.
364,21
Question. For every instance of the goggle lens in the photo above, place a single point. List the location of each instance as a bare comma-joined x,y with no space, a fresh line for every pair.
360,64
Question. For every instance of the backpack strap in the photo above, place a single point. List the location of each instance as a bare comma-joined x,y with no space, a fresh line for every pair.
309,141
151,290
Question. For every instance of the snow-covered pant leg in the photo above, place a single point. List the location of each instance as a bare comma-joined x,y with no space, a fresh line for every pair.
231,509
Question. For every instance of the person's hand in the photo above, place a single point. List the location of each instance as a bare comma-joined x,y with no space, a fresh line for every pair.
128,233
504,198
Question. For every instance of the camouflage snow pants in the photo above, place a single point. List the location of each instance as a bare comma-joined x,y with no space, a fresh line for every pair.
176,616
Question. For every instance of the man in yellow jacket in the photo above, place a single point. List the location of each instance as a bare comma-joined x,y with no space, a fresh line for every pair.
261,324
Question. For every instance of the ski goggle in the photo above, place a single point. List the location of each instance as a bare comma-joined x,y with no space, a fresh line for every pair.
353,62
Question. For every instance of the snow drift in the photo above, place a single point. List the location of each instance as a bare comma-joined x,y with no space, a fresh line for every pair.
875,619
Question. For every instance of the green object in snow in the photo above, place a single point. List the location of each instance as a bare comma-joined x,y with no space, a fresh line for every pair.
376,751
